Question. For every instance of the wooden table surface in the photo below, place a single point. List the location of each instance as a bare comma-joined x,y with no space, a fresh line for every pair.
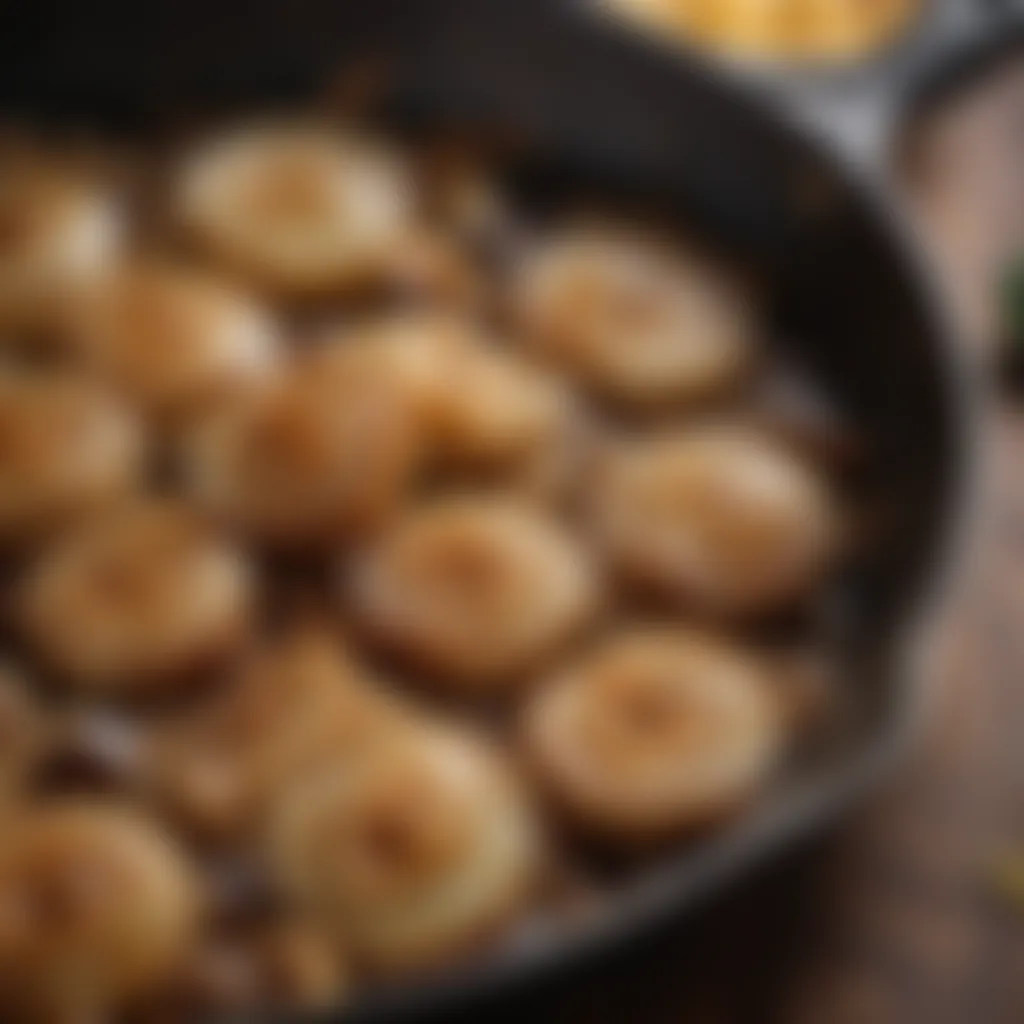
895,918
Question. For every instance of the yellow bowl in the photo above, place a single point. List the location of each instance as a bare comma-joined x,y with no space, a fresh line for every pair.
790,30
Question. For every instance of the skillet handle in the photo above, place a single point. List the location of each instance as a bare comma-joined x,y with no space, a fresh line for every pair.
863,118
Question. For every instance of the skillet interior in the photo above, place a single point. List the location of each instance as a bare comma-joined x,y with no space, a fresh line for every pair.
608,115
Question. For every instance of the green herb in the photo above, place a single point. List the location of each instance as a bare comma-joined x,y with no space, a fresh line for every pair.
1012,303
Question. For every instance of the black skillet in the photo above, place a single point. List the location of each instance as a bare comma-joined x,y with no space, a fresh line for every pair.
607,112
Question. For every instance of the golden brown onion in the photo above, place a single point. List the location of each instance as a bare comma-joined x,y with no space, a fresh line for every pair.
301,705
721,518
137,602
298,211
170,339
655,732
474,591
633,319
97,908
315,459
59,233
425,848
67,449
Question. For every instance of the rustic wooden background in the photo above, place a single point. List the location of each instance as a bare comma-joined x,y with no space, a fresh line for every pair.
896,916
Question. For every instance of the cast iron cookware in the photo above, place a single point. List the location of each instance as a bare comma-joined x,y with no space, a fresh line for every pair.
603,111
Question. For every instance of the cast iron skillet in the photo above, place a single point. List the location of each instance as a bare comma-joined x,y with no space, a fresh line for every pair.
602,111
